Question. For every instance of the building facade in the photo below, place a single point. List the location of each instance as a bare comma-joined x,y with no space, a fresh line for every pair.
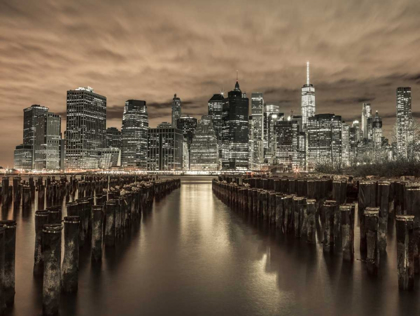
324,145
165,152
86,127
134,135
404,124
308,100
256,132
204,151
113,138
23,157
176,110
366,120
235,153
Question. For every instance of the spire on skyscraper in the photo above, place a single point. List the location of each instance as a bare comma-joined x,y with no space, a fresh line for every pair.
237,88
307,73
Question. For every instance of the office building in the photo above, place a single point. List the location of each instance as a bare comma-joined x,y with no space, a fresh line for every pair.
204,152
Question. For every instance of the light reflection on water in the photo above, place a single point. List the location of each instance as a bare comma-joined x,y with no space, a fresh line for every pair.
194,256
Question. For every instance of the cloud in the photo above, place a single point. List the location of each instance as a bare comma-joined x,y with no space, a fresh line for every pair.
360,51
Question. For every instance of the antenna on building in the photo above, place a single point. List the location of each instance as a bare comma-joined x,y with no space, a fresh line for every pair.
307,73
237,75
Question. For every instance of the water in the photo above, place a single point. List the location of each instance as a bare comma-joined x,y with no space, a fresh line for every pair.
194,256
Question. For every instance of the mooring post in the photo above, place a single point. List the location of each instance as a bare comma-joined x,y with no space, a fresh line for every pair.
372,227
70,268
110,223
347,231
311,221
383,203
97,231
367,198
41,218
52,268
329,210
405,256
2,255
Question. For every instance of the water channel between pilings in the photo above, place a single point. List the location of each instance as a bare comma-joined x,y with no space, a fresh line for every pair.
193,255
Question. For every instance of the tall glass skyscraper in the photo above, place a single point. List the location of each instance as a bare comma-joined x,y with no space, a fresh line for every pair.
86,127
308,100
366,120
204,153
41,140
134,133
176,110
235,151
256,132
404,124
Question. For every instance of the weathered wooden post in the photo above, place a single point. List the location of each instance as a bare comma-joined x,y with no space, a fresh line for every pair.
288,213
347,231
52,268
405,257
70,268
372,227
338,244
2,254
339,191
311,221
97,232
110,223
279,212
367,198
383,203
9,261
329,210
41,218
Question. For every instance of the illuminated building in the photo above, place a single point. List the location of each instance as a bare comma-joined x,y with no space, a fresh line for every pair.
86,127
366,120
271,116
187,124
235,151
377,131
176,110
165,151
204,153
23,157
134,134
256,132
404,121
308,100
324,144
113,137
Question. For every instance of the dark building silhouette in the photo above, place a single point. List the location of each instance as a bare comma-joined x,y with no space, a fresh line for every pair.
235,152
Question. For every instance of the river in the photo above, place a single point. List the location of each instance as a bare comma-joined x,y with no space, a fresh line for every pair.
194,256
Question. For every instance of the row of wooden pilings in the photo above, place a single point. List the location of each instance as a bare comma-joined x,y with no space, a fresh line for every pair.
98,216
297,205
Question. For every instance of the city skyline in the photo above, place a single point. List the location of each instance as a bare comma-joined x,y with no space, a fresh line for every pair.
194,61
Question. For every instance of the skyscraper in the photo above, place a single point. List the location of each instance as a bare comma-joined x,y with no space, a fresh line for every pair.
30,122
271,116
113,138
404,121
187,124
165,148
86,127
134,133
377,131
308,100
324,140
47,142
366,115
235,135
215,110
204,153
176,110
256,130
287,133
42,138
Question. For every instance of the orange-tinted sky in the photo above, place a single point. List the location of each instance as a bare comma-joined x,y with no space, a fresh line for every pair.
359,51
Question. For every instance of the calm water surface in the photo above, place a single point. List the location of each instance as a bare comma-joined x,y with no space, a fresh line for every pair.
194,256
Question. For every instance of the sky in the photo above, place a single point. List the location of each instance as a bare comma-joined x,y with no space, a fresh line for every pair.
360,51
